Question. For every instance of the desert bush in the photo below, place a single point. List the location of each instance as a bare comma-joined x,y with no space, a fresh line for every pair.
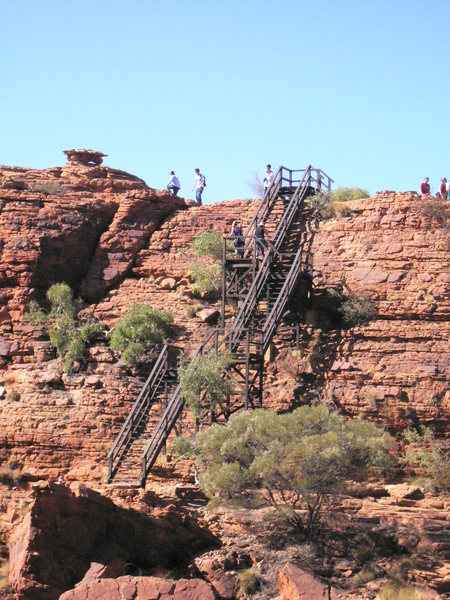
304,455
208,243
182,446
400,591
13,396
429,456
330,204
256,185
139,330
437,210
52,188
202,380
206,279
249,582
67,336
353,310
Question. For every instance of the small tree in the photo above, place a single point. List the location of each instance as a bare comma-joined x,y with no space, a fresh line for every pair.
256,185
139,330
206,273
429,457
306,455
66,334
208,243
203,384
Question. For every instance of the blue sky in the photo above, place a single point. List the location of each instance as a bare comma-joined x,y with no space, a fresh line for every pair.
358,88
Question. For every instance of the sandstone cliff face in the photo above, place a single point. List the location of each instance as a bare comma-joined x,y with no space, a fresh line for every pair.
115,241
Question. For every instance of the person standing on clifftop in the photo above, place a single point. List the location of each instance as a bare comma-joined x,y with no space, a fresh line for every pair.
268,178
425,187
174,184
199,185
443,188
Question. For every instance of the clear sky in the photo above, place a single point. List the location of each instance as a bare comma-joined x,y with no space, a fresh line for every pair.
358,88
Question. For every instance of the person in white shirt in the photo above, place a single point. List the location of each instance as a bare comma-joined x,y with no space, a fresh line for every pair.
174,183
268,178
199,185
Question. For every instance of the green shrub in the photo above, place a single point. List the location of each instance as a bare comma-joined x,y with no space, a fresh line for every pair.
68,339
202,380
332,204
397,591
249,582
182,446
13,396
139,330
429,456
206,279
208,243
306,455
51,188
356,311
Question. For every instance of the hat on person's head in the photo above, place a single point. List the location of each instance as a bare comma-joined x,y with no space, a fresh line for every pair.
172,173
197,170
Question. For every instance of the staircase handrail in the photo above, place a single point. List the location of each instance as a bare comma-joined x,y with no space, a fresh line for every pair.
138,410
232,337
272,319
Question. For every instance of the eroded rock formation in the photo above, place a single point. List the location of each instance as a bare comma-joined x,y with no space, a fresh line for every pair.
115,241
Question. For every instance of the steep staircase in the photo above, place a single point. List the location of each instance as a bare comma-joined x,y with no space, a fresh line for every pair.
259,290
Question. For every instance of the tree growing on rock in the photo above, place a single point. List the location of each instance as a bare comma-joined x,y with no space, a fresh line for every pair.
203,385
141,328
290,459
68,334
206,273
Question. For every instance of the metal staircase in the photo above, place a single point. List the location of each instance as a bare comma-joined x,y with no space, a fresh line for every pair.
259,290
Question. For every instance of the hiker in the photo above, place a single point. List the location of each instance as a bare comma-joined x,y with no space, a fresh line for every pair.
268,178
443,188
425,187
236,232
261,242
174,184
199,185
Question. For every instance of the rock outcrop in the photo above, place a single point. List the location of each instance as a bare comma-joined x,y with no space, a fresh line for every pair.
115,240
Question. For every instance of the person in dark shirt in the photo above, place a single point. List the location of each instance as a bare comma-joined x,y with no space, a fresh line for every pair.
261,242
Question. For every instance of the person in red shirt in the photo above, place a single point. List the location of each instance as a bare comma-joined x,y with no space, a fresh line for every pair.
425,187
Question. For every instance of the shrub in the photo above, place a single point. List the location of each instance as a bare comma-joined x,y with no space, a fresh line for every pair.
51,188
256,185
429,456
356,311
306,454
202,380
208,243
353,310
68,339
206,280
249,582
139,330
182,446
397,591
13,396
332,204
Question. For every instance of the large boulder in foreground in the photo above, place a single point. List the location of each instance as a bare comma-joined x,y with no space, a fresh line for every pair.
67,537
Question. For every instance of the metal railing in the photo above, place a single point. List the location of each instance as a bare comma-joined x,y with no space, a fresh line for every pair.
138,412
